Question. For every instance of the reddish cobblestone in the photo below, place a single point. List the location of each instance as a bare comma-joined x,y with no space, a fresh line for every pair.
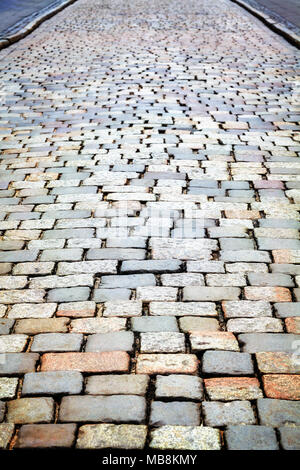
149,218
270,294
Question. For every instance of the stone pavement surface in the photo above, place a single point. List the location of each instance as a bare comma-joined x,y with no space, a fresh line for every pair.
287,9
15,11
150,188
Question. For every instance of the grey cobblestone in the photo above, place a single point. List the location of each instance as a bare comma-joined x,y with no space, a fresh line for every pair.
251,438
179,386
290,438
117,384
278,413
174,413
115,341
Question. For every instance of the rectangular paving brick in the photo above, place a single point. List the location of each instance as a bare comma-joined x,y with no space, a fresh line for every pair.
251,438
223,414
52,383
112,436
99,267
180,309
41,325
114,341
185,438
20,296
167,364
42,436
153,234
233,388
179,386
267,342
115,361
284,387
277,363
17,363
210,293
30,410
220,340
6,433
76,309
277,413
270,294
117,384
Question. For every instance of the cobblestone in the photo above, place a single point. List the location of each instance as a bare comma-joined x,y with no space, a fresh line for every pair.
179,386
117,385
8,387
6,433
86,362
52,383
185,437
278,413
174,413
290,438
233,388
227,363
114,436
46,436
251,438
116,408
167,364
285,387
168,342
30,410
149,199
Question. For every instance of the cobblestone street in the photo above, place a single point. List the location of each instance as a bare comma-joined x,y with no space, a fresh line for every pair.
149,198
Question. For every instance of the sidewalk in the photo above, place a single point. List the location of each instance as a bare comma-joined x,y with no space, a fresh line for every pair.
149,217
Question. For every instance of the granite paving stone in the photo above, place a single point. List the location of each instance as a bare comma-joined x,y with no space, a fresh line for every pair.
113,436
115,341
290,437
115,408
174,413
251,438
277,413
117,384
41,436
149,230
179,386
30,410
227,363
224,414
6,433
52,383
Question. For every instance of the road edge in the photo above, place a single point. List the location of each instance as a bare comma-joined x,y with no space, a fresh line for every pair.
32,25
288,34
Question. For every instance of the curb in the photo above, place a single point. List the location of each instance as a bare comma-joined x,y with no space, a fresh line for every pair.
288,34
33,24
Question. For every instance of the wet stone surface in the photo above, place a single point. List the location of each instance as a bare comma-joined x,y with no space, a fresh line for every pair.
149,204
